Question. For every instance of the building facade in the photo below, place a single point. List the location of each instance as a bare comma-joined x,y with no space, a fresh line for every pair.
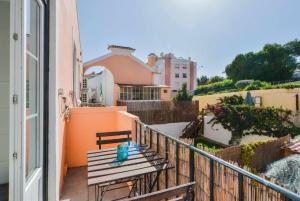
175,71
132,79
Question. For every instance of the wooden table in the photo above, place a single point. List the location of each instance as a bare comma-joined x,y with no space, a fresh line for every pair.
104,171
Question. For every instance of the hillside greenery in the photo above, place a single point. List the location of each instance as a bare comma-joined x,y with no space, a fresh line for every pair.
243,85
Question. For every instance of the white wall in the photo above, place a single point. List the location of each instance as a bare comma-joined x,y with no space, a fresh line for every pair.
4,92
107,82
217,132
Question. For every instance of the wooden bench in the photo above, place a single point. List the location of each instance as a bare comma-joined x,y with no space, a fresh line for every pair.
185,192
125,136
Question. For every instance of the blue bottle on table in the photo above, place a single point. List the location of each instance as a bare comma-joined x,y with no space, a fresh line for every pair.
122,152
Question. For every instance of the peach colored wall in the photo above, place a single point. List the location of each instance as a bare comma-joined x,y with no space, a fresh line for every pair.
68,37
125,70
284,98
165,96
116,93
85,122
168,70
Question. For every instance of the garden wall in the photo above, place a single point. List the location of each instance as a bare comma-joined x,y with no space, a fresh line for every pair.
160,112
264,154
270,97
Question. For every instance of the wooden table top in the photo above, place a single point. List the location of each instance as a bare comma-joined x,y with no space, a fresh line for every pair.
103,167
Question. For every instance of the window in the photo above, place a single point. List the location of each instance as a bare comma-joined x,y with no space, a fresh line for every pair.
139,93
184,67
177,66
33,87
184,75
165,91
177,75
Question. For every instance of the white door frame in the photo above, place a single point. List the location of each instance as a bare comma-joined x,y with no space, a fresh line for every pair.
17,159
53,157
15,146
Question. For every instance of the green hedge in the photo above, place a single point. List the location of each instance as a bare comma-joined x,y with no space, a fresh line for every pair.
243,85
215,87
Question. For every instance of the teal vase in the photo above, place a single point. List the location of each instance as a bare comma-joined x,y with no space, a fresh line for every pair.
122,152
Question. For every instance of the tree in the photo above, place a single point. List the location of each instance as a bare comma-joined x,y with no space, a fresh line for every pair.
215,79
183,94
202,80
243,119
274,62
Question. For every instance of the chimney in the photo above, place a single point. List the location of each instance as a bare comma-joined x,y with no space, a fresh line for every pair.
152,58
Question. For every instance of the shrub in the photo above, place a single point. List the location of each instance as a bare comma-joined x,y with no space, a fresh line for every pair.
243,83
183,94
215,87
232,100
255,85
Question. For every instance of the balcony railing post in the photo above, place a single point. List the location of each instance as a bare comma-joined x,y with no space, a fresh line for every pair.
145,178
140,142
145,138
241,187
177,163
167,157
150,136
136,131
211,179
192,169
157,150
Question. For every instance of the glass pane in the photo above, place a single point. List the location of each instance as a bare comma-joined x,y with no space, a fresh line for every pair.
32,26
31,85
31,145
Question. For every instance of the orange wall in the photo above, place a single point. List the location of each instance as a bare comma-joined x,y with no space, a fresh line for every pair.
165,96
67,37
125,70
85,122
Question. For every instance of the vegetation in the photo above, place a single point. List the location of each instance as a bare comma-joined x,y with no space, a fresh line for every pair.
215,79
215,87
229,86
256,85
203,80
274,62
243,119
248,151
183,94
243,83
209,146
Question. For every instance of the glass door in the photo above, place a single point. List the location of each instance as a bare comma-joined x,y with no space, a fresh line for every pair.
33,100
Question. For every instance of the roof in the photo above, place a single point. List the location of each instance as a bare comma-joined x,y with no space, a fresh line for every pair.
294,146
120,47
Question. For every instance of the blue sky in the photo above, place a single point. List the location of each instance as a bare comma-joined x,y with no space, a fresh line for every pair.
212,32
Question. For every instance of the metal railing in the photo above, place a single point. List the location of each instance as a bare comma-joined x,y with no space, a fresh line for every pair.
288,195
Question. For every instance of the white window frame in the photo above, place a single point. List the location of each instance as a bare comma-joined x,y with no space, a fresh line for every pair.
38,173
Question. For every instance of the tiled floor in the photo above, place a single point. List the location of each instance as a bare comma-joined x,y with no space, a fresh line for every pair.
75,187
3,192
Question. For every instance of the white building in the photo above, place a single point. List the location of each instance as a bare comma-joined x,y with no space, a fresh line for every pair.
175,71
100,88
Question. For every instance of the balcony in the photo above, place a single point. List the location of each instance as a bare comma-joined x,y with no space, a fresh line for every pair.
215,178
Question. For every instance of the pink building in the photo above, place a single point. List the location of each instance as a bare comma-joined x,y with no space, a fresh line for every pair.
133,80
175,71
